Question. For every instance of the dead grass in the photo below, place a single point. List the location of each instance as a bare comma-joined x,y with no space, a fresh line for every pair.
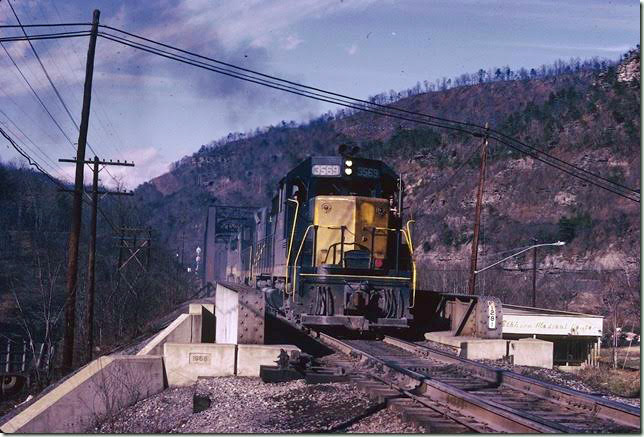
627,358
623,381
619,382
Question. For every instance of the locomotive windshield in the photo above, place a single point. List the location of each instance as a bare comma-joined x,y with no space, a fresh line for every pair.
348,187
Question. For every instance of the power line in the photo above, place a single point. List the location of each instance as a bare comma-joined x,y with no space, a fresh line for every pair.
559,164
96,103
42,153
27,115
71,90
55,181
571,173
36,95
42,66
25,146
366,102
58,35
269,84
31,161
366,106
58,95
10,26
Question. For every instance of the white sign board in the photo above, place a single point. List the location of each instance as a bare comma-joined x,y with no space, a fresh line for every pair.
491,314
552,325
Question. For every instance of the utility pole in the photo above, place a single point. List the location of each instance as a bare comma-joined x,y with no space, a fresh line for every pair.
132,245
91,261
477,215
74,234
534,277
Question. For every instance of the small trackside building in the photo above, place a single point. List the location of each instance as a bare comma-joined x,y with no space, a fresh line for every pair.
576,337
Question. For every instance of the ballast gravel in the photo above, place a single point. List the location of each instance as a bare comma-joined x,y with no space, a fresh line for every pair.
559,377
248,405
385,422
553,376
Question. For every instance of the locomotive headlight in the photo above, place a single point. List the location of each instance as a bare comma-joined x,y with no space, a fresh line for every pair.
348,171
348,163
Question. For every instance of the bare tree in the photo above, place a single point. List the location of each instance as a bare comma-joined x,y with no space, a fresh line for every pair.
40,319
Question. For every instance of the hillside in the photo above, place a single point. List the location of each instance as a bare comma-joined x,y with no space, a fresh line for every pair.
586,117
34,232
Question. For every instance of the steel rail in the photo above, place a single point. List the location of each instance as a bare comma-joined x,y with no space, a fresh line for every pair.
617,412
498,416
475,427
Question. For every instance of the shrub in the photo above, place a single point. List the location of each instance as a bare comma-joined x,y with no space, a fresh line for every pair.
569,228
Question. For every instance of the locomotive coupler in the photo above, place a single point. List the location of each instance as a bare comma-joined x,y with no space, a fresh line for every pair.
358,296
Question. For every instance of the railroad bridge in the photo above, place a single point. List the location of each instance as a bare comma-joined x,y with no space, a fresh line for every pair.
230,334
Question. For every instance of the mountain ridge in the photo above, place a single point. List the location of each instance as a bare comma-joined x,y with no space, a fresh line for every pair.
588,118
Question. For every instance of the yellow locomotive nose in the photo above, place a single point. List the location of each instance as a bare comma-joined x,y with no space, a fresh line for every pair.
350,223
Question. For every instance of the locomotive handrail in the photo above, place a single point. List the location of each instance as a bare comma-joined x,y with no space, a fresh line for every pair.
407,235
326,258
299,251
410,247
339,228
297,257
413,262
290,245
396,278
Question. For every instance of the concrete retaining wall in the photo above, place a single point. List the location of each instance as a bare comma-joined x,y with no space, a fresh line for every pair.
181,330
196,308
98,390
185,362
204,331
532,352
483,349
240,314
524,352
227,315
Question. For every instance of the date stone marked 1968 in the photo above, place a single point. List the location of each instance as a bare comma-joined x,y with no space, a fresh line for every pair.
198,358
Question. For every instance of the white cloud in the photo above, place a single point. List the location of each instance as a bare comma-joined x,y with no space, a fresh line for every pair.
149,163
353,49
291,42
230,25
261,22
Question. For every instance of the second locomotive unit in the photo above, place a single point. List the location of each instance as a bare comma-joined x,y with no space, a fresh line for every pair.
333,249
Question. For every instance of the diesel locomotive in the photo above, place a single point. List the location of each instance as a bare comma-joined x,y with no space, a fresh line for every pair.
332,250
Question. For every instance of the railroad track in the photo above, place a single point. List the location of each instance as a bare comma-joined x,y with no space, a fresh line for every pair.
449,394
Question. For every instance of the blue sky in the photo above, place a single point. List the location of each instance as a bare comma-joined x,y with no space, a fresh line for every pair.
153,111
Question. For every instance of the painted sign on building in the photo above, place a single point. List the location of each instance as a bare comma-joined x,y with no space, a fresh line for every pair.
543,324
